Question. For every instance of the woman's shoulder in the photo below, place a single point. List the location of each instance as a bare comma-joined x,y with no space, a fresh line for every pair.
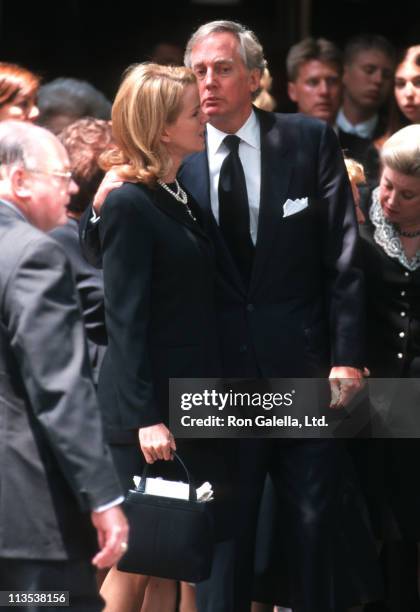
135,196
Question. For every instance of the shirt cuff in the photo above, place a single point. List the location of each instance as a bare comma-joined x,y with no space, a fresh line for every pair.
110,504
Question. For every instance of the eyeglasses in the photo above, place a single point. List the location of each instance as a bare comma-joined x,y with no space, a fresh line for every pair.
66,176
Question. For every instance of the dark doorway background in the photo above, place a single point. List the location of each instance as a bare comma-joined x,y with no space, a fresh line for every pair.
96,41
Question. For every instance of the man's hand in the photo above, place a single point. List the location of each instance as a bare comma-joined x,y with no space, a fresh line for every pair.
345,383
111,181
156,442
112,529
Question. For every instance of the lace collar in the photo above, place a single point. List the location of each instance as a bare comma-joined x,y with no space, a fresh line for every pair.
386,236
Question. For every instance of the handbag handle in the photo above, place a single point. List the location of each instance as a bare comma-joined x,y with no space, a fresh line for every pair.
192,493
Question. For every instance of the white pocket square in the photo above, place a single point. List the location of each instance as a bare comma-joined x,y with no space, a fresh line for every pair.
291,207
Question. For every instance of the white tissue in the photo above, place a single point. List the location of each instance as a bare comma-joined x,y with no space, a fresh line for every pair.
174,489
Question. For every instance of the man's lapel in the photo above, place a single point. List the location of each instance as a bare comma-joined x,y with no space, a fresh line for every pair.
276,171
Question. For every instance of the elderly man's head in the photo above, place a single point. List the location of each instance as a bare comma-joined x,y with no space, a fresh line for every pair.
34,173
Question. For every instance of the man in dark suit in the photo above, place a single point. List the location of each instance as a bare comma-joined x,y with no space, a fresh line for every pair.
369,64
297,310
290,302
56,475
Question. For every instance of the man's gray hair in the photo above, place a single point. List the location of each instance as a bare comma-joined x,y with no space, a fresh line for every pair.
250,47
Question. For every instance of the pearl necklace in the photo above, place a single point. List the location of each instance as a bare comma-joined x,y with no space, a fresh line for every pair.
401,232
179,195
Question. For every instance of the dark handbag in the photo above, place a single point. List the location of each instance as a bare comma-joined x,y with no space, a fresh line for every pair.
169,538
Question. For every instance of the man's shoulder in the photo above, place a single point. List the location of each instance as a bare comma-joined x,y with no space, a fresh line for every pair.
15,236
23,241
291,120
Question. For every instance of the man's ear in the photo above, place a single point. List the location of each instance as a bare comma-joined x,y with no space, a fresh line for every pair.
254,79
291,90
19,183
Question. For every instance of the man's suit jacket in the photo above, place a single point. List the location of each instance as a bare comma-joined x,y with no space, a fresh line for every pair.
55,466
303,310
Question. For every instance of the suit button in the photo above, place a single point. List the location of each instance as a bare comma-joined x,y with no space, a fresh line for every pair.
402,294
406,273
243,348
402,313
250,307
401,334
400,355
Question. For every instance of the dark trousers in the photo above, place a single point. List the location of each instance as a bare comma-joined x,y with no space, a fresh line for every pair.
77,577
305,475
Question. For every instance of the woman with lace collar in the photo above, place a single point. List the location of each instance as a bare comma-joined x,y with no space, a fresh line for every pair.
390,241
391,251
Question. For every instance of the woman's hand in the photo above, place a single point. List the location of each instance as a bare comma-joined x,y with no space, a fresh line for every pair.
156,442
112,180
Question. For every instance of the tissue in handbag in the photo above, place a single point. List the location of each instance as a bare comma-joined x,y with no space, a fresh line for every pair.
170,488
169,538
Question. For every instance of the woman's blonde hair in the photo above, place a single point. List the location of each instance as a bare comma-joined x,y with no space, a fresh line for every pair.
401,151
149,98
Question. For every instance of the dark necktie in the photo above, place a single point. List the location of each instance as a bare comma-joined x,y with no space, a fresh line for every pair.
234,209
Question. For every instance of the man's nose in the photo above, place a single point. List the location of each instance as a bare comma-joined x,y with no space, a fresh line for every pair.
377,77
324,88
209,79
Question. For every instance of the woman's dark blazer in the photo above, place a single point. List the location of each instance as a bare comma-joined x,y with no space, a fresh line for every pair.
159,278
393,315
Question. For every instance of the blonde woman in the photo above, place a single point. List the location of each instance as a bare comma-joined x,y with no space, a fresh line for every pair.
390,245
158,280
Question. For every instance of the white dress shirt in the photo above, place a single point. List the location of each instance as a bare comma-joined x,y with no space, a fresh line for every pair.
365,129
250,156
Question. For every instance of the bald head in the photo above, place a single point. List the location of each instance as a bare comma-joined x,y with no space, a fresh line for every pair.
34,173
25,143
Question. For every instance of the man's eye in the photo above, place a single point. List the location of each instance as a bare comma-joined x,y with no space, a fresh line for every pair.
399,84
199,72
369,69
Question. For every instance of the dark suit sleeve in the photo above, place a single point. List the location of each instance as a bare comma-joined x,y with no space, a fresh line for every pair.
127,239
89,239
344,277
89,284
47,338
